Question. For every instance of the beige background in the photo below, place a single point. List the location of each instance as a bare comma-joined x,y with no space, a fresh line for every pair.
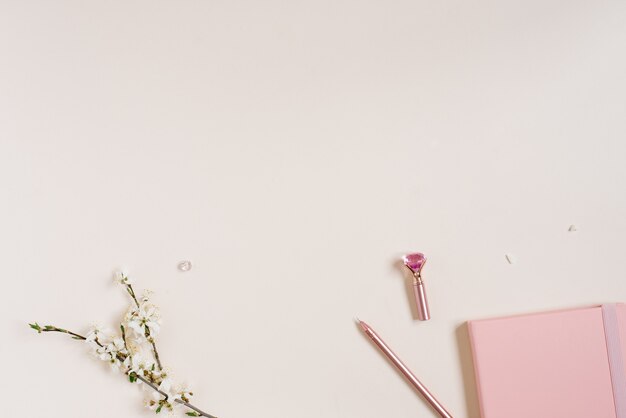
293,151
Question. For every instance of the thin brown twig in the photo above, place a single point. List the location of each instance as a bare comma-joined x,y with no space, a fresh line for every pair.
156,353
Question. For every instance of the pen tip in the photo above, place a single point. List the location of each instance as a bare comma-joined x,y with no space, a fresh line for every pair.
361,324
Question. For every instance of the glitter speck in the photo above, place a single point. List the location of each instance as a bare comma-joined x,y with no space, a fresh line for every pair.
184,265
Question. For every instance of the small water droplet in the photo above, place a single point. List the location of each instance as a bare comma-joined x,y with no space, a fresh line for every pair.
184,265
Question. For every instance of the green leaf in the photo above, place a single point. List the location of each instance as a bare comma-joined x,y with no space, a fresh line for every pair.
49,328
132,377
36,327
159,409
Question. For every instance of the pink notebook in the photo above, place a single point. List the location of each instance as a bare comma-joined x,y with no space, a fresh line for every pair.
563,364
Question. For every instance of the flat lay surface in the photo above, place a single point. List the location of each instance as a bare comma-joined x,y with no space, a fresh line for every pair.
293,152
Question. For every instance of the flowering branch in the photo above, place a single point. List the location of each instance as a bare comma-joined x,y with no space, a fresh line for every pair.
131,291
142,320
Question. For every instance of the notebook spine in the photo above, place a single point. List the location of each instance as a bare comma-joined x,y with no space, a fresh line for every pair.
616,360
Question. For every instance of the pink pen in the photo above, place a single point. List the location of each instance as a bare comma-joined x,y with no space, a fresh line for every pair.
404,370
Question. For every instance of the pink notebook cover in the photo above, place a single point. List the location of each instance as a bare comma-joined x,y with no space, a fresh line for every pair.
563,364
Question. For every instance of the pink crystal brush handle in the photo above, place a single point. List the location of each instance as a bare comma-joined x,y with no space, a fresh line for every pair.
429,397
415,262
423,313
